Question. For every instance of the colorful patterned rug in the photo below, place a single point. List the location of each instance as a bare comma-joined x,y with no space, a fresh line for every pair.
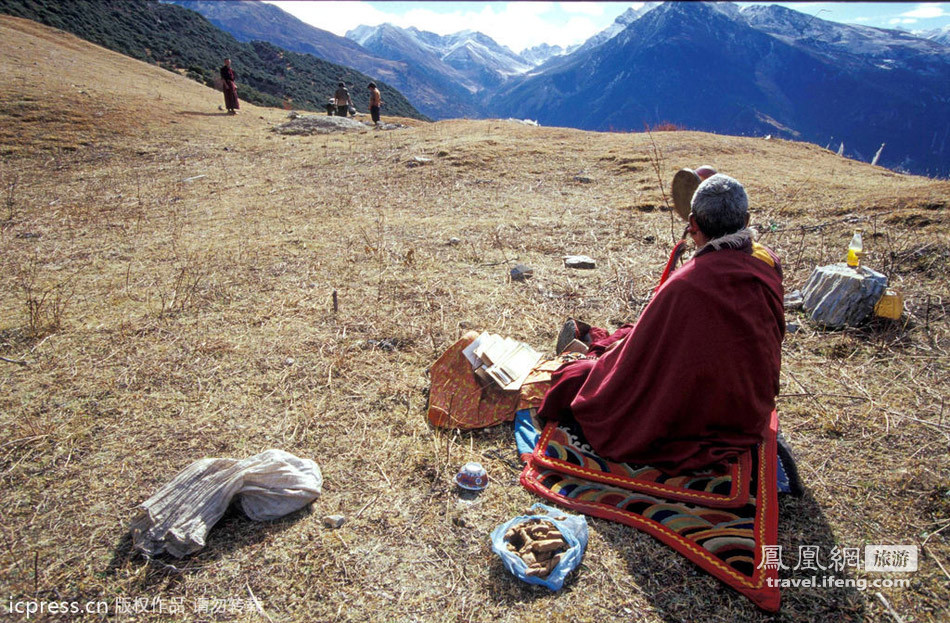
719,520
564,449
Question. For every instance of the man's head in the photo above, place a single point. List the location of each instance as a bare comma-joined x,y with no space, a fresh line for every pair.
340,84
720,207
227,62
372,85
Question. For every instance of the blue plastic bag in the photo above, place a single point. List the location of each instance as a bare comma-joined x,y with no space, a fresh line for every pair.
574,530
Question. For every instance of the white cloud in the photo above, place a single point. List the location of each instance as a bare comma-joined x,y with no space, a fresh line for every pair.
862,19
334,16
901,20
523,25
594,9
518,25
515,25
926,10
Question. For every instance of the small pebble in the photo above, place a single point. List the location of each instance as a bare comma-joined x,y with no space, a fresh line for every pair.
521,272
334,521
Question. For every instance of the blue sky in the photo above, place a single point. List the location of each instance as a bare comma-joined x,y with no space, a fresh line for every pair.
521,25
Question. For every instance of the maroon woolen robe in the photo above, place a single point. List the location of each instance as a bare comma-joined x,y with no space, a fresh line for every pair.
230,89
694,381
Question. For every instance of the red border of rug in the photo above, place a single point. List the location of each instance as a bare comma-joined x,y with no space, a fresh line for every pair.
765,528
739,470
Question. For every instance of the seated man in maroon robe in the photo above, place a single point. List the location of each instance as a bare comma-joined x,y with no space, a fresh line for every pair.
694,381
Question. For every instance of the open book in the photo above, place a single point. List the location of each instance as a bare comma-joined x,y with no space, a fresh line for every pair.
504,361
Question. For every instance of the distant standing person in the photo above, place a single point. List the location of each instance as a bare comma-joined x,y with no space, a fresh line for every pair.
230,89
343,101
375,101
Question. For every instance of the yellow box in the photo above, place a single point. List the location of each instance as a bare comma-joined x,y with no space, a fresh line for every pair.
891,305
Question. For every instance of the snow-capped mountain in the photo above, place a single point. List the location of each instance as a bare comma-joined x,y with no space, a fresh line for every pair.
618,26
940,35
764,70
845,44
478,58
541,53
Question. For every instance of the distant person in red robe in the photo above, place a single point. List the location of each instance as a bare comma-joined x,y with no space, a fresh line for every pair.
694,381
230,89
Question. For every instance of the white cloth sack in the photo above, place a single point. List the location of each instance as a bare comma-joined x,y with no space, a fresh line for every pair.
177,518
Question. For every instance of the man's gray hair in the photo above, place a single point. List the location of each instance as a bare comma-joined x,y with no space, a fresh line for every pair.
720,206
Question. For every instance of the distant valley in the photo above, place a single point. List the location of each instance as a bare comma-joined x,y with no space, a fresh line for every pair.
763,70
759,71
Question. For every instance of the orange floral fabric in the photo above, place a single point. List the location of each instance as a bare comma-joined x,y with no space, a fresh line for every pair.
458,400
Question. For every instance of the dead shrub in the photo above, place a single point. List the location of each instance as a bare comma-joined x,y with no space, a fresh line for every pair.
44,300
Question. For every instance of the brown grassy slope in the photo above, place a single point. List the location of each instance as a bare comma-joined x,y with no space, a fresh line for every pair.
167,317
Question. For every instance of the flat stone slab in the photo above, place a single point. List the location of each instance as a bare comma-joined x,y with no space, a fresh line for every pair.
319,124
838,296
580,261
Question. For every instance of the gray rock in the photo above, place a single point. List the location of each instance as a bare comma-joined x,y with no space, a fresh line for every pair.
837,295
794,300
454,241
521,272
792,327
385,126
334,521
583,179
388,344
579,261
418,161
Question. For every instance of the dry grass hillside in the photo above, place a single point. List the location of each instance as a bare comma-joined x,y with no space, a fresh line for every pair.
167,273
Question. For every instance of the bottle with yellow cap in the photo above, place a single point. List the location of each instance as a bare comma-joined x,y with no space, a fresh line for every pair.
855,250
